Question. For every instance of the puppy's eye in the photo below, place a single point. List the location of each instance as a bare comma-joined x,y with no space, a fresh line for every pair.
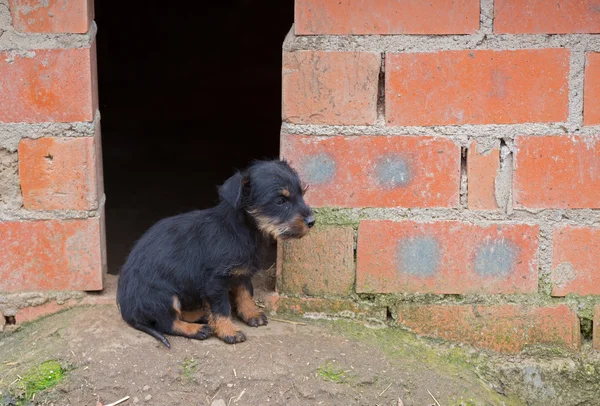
280,201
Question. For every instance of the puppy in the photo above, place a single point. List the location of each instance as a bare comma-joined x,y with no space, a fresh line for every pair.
178,277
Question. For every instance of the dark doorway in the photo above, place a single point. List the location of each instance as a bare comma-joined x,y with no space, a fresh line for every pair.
188,92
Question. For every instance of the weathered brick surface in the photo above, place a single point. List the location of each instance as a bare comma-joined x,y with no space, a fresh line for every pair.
56,85
575,258
51,255
503,328
546,17
596,328
52,16
482,169
591,98
60,173
386,17
446,257
31,313
330,87
477,87
326,307
376,171
557,172
322,263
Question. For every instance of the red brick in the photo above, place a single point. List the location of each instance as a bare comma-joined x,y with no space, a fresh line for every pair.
482,169
60,173
361,17
322,263
503,328
546,17
72,16
327,307
477,87
51,255
56,85
596,328
31,313
557,172
376,171
330,87
575,255
446,257
591,93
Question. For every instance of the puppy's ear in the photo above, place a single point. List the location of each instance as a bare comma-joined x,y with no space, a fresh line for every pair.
232,190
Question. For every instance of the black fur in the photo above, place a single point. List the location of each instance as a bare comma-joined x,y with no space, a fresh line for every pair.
195,260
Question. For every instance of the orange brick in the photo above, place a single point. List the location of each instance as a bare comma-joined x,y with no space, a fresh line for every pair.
546,17
575,255
504,328
376,171
596,328
31,313
55,85
72,16
60,173
51,255
328,307
477,87
446,257
591,93
482,169
557,172
314,17
322,263
330,87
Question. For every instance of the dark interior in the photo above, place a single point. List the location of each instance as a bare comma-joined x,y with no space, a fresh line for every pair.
188,93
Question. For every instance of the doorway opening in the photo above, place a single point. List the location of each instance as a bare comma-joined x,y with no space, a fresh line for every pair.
187,95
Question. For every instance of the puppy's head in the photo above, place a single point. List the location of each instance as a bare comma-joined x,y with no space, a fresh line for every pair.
272,194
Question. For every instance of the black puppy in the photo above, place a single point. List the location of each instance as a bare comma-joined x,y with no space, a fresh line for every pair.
179,275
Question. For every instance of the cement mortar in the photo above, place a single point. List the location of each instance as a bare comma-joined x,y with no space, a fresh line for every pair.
11,302
18,214
434,43
12,133
10,39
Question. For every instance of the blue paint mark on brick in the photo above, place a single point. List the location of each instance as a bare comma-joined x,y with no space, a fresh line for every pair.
496,258
393,171
419,256
318,169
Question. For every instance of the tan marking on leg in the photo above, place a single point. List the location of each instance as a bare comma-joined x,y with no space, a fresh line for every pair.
187,329
222,326
246,307
193,315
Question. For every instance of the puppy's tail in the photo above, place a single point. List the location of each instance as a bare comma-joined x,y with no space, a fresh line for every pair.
154,334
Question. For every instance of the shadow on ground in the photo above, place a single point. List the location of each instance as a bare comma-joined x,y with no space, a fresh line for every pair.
317,362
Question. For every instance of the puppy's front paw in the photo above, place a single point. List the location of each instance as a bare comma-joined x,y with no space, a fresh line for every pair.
203,333
239,337
255,320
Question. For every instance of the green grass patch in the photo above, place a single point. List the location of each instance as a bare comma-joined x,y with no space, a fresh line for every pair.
38,379
331,373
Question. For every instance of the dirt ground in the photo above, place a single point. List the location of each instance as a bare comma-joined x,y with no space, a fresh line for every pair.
315,363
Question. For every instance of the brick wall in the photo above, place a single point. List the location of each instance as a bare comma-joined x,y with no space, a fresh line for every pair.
453,154
51,187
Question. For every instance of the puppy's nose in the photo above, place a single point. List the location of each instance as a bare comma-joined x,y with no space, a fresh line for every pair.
310,221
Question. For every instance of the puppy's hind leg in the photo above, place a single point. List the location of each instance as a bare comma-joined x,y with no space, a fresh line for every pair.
181,327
